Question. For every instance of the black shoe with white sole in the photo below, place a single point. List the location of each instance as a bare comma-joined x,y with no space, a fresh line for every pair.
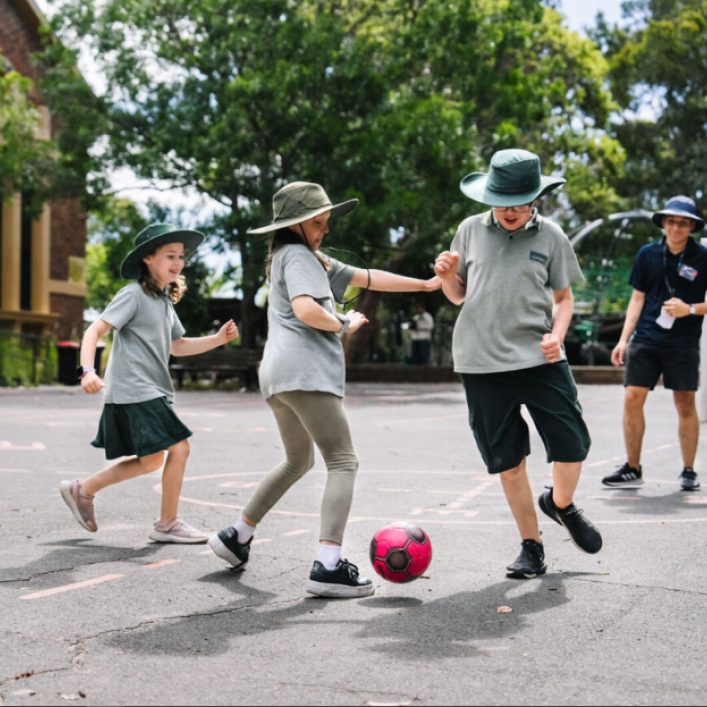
625,477
583,533
530,562
689,480
226,546
340,583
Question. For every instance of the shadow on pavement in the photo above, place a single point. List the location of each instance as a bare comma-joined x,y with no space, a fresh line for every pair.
452,626
672,504
72,555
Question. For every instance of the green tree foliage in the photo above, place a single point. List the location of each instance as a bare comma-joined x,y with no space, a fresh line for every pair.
112,230
23,158
659,75
389,101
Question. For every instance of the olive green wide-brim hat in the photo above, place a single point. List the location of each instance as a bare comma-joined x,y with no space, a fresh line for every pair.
514,179
300,201
152,238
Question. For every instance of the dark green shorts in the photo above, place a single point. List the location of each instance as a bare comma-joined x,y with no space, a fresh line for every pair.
140,429
550,395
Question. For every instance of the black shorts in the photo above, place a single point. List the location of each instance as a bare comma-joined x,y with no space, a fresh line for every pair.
680,367
550,395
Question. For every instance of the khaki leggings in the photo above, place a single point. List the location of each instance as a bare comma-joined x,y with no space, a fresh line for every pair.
305,419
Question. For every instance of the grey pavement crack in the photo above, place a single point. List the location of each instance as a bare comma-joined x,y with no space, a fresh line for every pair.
639,586
182,617
70,569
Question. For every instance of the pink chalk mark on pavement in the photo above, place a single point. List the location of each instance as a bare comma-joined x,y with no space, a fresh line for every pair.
164,563
72,587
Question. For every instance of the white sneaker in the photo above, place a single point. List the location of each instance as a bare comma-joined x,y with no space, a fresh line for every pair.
179,532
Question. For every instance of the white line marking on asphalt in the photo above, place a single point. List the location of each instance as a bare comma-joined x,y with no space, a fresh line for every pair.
395,490
6,446
261,541
386,423
72,587
292,533
17,471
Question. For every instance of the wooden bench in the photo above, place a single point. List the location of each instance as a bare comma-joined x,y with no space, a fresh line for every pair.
224,363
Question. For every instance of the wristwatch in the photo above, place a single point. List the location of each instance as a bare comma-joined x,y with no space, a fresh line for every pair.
693,311
81,372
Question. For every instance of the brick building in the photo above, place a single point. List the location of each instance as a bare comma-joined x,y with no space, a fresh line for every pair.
42,261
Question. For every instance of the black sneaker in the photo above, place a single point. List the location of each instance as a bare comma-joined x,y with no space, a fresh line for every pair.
688,480
341,583
226,546
530,562
582,532
625,477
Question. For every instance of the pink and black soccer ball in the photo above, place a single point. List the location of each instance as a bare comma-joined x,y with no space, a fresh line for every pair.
401,552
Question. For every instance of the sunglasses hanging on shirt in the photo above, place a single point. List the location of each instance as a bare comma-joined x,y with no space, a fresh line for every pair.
345,303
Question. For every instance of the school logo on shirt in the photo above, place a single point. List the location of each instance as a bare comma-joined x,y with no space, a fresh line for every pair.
538,257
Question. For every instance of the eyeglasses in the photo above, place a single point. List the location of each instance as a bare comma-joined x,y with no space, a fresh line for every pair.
515,209
675,223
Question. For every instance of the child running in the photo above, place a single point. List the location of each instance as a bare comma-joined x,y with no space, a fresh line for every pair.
138,419
510,269
303,375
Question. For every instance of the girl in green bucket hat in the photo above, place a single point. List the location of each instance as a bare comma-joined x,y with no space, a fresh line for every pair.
138,421
303,378
512,271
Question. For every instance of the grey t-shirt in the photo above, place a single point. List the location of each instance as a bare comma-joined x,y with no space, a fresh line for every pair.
145,327
297,356
510,277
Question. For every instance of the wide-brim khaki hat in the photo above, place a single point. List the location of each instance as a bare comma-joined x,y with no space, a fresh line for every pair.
300,201
153,237
514,179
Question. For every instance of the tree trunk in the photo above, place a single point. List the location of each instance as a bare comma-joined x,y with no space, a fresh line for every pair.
248,311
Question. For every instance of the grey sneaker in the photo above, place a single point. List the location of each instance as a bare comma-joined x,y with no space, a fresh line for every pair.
689,480
178,532
81,504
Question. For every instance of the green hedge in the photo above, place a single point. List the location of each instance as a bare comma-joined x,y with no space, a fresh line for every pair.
27,360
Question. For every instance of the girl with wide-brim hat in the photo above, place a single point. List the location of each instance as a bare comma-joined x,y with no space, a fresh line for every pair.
302,377
139,425
512,271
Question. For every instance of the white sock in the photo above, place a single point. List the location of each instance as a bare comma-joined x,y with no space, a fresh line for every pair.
329,556
245,531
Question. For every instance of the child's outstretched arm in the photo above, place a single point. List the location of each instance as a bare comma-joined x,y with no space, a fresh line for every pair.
91,382
194,347
382,281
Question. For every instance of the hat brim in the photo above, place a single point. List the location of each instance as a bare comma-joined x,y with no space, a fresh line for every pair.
337,211
660,215
191,240
475,187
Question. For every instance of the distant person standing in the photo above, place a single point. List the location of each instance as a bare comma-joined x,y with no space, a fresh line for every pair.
423,326
666,313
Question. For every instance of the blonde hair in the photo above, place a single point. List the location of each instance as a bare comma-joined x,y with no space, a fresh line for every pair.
175,290
286,236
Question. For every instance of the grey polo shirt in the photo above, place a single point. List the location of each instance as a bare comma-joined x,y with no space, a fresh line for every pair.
145,327
297,356
510,277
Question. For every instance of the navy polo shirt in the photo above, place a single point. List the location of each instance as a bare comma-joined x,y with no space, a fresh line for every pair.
655,273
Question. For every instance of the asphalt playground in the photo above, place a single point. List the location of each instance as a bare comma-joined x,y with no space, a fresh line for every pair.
111,618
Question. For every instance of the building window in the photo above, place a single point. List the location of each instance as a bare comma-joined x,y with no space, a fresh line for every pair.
26,256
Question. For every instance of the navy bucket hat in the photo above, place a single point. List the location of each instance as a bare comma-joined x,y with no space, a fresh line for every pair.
680,206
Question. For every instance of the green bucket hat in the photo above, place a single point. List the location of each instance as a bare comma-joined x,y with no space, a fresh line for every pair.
299,202
514,179
154,236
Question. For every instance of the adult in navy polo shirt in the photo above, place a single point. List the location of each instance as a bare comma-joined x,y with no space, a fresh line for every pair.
666,314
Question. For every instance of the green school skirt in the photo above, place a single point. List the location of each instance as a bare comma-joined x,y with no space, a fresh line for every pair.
139,429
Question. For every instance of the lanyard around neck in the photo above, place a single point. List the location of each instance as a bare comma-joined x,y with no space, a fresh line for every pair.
671,290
